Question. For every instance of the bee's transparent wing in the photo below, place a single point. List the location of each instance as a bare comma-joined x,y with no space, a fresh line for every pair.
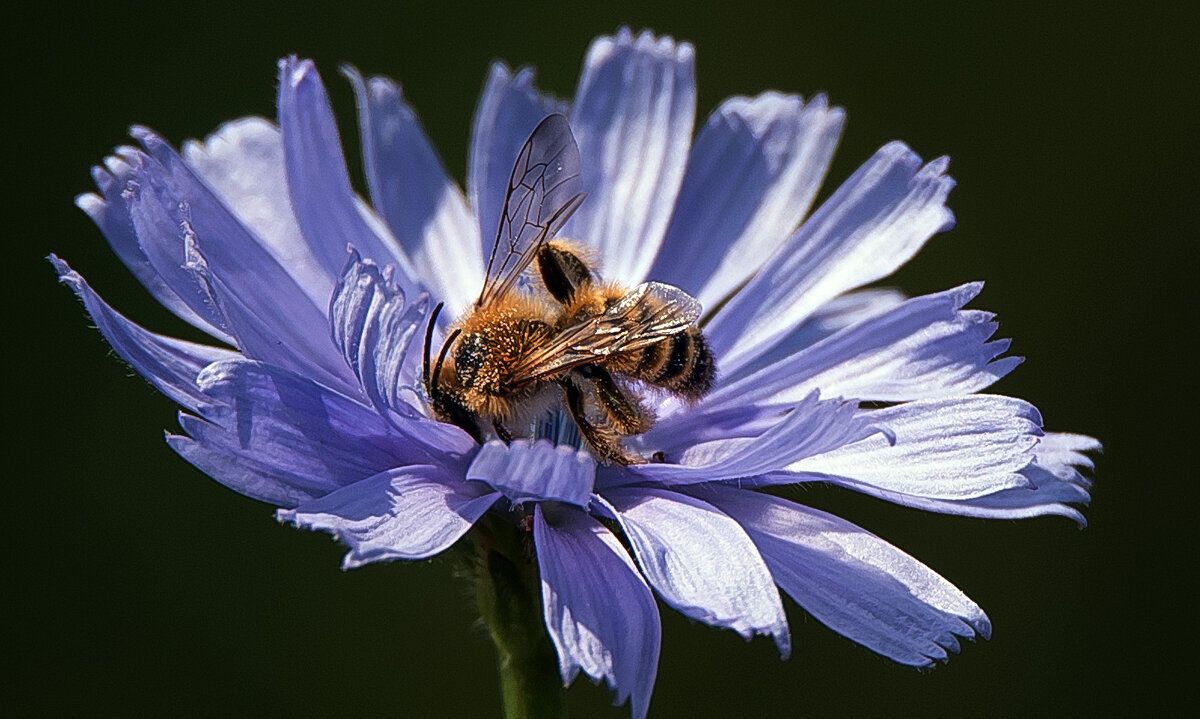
648,314
544,191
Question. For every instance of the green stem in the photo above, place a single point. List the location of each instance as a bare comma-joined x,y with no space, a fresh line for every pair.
508,595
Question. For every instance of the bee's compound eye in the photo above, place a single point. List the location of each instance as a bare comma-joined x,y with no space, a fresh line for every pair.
469,357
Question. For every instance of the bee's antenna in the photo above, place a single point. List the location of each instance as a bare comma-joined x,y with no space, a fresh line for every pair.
437,369
429,345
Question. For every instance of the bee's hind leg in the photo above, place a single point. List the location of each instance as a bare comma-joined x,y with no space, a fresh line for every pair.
625,413
603,441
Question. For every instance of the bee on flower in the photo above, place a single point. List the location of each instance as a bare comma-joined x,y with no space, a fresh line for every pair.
603,350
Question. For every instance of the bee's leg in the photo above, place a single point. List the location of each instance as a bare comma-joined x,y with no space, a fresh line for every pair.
627,414
448,408
502,432
603,441
562,271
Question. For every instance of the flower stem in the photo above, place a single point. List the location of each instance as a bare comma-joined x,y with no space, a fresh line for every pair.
508,595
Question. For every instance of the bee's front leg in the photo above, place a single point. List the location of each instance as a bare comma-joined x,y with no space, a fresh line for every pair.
502,431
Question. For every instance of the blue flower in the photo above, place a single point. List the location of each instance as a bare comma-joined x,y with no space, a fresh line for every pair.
317,407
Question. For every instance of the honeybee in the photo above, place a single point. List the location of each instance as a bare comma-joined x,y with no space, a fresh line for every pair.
575,341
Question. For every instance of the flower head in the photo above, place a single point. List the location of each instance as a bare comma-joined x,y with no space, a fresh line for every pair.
315,405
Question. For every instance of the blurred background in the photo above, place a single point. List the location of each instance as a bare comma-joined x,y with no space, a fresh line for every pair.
137,585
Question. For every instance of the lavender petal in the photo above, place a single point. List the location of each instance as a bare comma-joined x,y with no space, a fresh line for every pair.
330,214
171,365
701,562
875,222
633,115
510,107
751,177
410,189
599,611
854,582
404,513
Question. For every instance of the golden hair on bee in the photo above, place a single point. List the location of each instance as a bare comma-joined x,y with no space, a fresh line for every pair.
572,339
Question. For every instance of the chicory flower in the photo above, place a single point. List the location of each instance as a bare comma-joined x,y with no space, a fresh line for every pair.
310,397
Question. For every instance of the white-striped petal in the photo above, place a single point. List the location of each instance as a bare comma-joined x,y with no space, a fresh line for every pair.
411,191
632,115
952,449
872,224
752,174
701,562
854,582
600,614
243,163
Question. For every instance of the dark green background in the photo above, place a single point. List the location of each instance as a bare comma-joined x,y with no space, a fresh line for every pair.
136,585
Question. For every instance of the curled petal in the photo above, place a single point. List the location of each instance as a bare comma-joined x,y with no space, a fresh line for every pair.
852,581
374,329
600,614
404,513
700,561
169,364
529,472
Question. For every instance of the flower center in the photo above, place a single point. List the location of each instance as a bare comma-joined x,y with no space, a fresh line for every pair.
558,428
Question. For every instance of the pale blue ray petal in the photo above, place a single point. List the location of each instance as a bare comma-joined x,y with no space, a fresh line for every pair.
248,474
110,211
374,328
404,513
243,164
529,472
330,214
326,440
410,189
951,449
169,364
601,615
266,310
1059,451
834,316
852,581
751,176
1044,495
633,115
510,107
813,427
924,348
156,220
872,224
700,561
264,468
